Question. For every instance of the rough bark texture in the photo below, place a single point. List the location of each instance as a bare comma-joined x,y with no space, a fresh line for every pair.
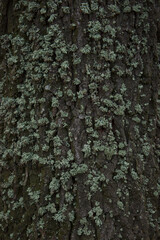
79,120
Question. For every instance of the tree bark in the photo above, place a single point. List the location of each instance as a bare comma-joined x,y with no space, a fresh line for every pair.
79,120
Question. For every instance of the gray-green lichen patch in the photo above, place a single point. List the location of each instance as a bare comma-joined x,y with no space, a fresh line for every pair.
79,120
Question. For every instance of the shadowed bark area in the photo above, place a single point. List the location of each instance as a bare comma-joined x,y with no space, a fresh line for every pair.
79,120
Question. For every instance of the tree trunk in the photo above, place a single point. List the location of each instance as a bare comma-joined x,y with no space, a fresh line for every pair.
79,120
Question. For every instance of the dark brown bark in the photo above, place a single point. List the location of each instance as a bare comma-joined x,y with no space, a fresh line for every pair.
79,120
